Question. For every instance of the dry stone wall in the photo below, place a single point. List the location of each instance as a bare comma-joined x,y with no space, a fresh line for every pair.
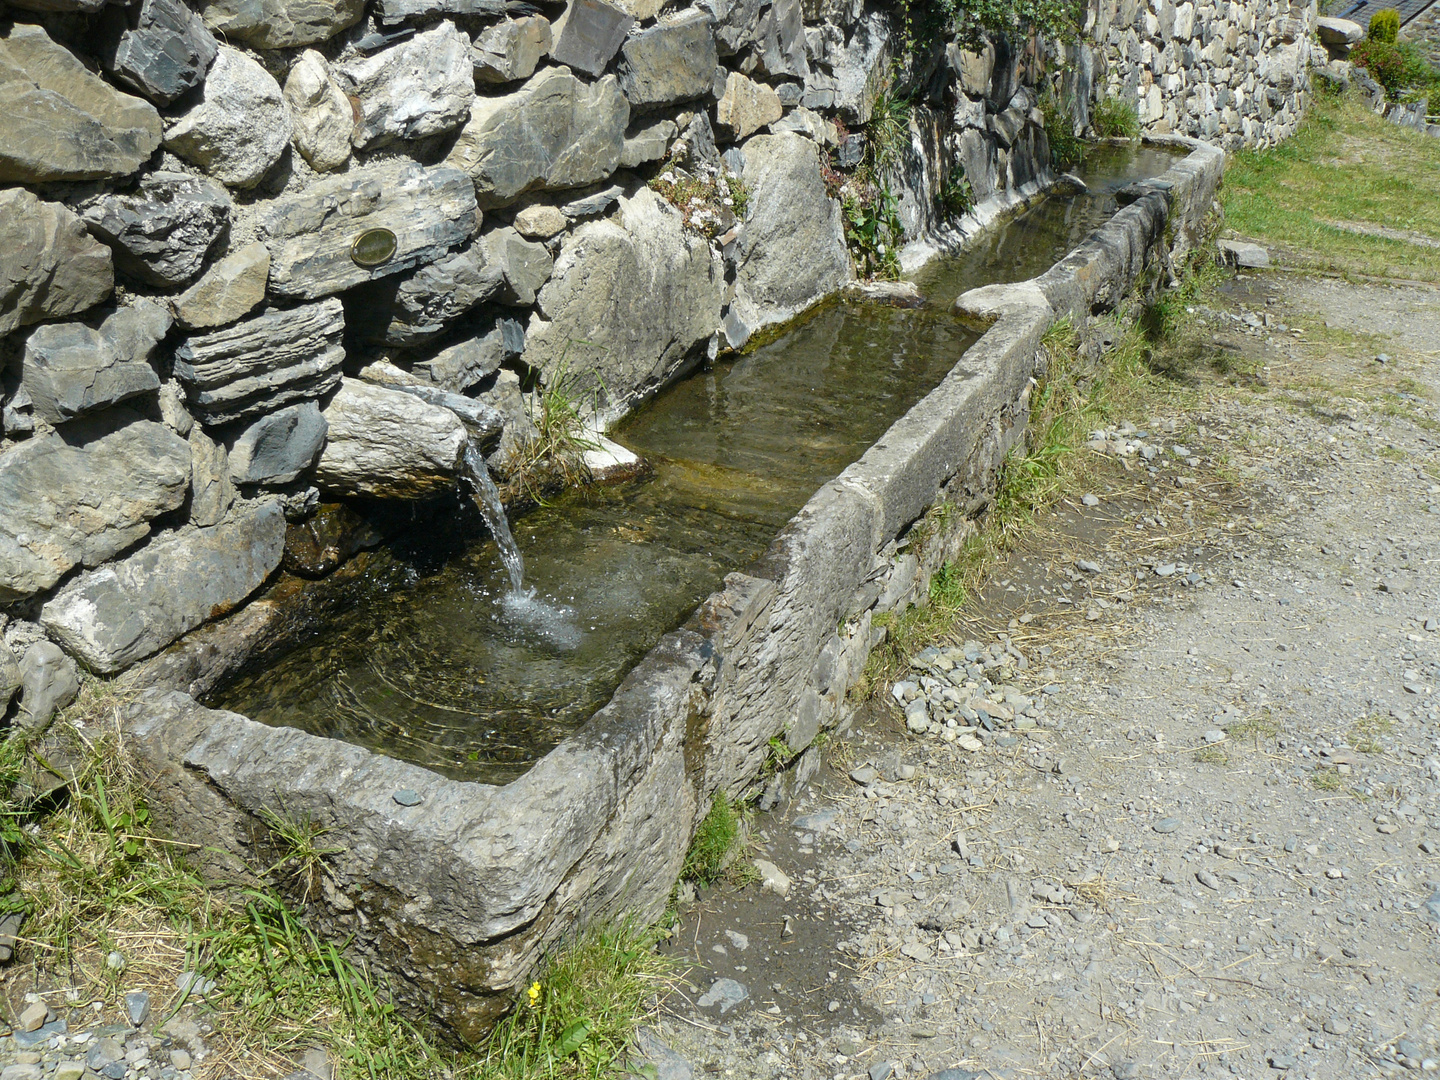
260,257
1235,74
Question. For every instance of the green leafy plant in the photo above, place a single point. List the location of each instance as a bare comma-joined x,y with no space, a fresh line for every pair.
1114,118
925,21
1066,148
717,834
887,132
1397,66
957,195
874,231
1384,26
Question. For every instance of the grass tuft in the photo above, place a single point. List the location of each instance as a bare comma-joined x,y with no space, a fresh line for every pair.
715,839
1114,118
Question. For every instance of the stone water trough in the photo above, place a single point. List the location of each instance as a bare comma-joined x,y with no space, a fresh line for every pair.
455,890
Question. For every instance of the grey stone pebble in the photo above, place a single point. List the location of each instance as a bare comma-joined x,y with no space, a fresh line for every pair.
726,993
407,797
881,1070
137,1008
1166,825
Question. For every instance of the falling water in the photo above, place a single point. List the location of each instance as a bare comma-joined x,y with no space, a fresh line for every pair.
491,508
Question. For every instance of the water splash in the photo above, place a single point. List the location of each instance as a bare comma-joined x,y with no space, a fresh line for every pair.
554,623
487,495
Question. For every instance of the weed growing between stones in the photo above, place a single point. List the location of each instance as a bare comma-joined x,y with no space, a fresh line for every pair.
1115,118
709,204
716,843
1066,148
556,458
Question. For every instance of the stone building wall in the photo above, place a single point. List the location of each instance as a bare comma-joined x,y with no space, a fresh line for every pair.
264,256
1233,73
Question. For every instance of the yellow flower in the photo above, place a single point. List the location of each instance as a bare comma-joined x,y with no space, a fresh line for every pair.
534,995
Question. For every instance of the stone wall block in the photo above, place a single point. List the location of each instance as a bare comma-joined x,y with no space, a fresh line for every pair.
229,290
49,682
745,107
323,117
418,88
387,444
134,607
511,49
52,266
280,24
212,491
277,447
63,122
671,62
239,128
161,48
163,233
85,497
69,369
589,34
263,362
632,299
556,132
311,234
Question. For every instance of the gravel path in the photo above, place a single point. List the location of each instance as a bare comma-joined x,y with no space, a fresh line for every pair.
1172,809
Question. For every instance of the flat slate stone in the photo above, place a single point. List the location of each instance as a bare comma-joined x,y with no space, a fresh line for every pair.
264,362
163,233
310,235
280,24
671,62
589,34
62,121
134,607
160,48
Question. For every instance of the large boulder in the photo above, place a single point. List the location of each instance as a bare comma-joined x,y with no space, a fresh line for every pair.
420,87
163,233
239,127
511,49
264,362
229,290
281,24
159,47
387,444
1335,31
555,132
52,266
277,447
671,62
323,118
632,299
84,497
862,68
130,609
311,235
69,369
791,250
63,122
49,681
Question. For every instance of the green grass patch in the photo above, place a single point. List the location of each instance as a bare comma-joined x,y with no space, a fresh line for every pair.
1326,780
1114,118
710,850
1343,164
1365,733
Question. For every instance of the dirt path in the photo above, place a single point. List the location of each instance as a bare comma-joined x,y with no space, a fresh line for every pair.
1208,840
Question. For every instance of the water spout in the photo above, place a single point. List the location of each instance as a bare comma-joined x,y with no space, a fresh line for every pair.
487,495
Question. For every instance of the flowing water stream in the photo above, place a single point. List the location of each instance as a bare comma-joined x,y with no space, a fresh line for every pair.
476,661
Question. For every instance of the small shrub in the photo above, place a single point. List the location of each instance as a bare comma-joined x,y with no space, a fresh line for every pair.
957,196
1397,66
874,232
1385,26
1113,118
887,132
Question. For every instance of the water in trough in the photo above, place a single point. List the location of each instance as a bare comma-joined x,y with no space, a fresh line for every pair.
450,661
